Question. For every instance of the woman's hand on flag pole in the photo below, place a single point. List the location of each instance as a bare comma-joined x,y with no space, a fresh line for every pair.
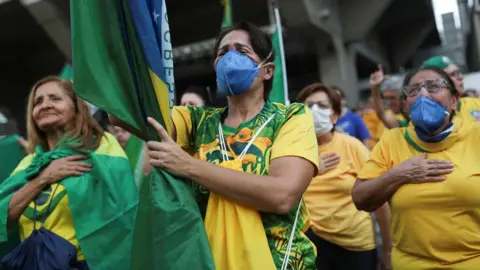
167,154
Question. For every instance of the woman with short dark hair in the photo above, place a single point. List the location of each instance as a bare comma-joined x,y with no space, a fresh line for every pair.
251,161
344,236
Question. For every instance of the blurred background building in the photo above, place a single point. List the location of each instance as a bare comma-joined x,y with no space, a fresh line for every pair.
339,42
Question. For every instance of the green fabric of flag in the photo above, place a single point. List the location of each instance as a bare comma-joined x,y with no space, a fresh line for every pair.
227,13
66,72
103,202
12,153
278,89
119,60
134,150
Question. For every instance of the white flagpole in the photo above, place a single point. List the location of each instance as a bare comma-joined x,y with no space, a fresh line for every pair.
282,52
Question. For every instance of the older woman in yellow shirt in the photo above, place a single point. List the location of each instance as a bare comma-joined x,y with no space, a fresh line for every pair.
429,172
343,235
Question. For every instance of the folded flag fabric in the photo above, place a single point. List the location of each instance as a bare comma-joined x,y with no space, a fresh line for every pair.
135,149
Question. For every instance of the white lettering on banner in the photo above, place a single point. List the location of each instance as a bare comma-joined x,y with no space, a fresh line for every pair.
167,56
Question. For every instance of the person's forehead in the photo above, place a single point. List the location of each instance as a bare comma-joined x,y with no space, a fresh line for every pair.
191,95
425,75
49,88
451,68
391,92
318,96
118,129
236,37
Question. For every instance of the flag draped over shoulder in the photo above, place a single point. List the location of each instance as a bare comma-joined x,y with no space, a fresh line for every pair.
103,202
123,63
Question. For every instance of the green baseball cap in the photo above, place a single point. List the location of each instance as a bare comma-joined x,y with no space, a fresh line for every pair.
440,62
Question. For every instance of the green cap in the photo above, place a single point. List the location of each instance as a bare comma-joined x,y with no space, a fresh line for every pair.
440,62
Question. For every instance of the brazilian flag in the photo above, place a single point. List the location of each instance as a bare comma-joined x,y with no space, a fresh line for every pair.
123,64
103,202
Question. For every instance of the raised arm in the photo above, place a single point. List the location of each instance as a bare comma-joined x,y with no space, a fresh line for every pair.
376,80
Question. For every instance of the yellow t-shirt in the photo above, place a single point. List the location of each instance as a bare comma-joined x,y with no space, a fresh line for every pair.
433,225
333,216
470,108
398,116
374,126
289,133
59,218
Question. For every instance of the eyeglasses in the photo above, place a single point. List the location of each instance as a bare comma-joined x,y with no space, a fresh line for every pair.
432,87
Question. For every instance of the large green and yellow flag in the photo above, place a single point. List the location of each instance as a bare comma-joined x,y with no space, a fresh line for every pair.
123,64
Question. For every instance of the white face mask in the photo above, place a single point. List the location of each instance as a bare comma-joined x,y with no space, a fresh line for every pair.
321,119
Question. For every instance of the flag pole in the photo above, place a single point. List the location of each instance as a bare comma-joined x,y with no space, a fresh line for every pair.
282,52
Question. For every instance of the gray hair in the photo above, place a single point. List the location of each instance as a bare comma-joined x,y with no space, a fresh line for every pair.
392,83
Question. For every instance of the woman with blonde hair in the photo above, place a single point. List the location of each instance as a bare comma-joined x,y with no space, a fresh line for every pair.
73,197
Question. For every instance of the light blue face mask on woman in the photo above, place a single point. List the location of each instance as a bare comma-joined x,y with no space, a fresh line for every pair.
428,115
236,73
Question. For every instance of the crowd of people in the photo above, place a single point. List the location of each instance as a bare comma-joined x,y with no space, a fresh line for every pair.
311,185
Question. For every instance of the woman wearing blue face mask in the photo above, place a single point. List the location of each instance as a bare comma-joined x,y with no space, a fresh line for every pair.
343,235
253,158
429,172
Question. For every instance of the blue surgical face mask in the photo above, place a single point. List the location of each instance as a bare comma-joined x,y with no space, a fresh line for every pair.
428,115
236,73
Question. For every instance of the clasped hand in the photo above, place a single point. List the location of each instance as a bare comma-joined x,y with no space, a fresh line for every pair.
62,168
167,154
